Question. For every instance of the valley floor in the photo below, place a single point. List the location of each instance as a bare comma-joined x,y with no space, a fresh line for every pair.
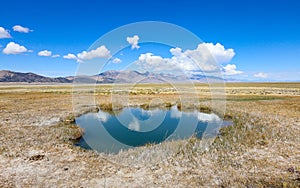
261,149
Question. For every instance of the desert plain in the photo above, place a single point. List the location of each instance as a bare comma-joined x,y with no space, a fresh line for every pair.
260,149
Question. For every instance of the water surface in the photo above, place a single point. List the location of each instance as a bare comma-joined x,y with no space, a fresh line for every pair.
132,127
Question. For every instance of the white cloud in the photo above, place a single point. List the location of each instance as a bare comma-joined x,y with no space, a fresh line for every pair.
102,116
175,113
4,33
230,69
117,60
218,51
208,117
55,56
154,63
13,48
21,29
261,75
134,125
45,53
100,52
133,41
70,56
206,57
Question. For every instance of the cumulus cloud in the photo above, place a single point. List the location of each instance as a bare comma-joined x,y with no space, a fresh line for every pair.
14,48
21,29
207,117
218,51
154,63
117,60
134,125
133,41
100,52
70,56
4,33
45,53
206,57
230,69
102,116
55,56
148,61
261,75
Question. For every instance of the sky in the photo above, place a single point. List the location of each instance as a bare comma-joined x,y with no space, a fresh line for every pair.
257,40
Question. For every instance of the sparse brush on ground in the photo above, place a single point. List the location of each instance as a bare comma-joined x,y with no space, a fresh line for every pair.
261,149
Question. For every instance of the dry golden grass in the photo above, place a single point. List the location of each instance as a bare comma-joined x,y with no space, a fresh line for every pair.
262,149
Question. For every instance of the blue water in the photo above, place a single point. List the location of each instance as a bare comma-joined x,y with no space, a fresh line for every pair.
133,127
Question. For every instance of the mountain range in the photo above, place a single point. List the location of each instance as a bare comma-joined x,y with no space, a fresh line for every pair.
111,76
10,76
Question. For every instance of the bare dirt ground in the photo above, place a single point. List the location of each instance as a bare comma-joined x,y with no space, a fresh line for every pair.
261,149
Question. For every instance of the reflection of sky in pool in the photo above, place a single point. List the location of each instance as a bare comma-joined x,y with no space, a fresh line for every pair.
133,127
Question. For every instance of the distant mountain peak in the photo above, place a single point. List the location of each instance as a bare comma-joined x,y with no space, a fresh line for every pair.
10,76
110,76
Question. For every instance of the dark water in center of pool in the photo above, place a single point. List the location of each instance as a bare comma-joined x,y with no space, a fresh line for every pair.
132,127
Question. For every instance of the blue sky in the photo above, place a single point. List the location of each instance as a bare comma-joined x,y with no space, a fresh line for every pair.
263,34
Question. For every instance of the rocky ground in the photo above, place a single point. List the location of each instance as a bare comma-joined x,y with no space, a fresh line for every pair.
262,149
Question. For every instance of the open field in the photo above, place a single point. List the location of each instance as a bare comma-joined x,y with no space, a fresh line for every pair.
262,149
